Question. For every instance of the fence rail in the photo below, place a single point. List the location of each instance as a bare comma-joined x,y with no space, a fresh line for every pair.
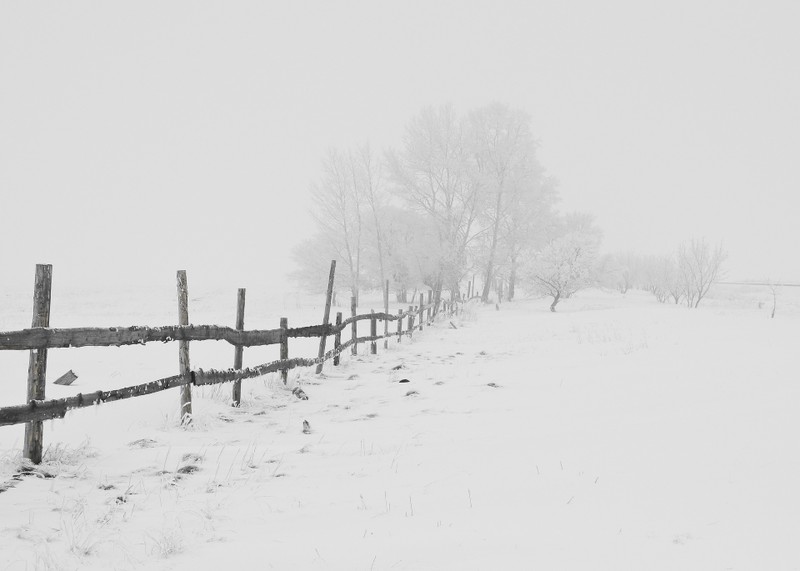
39,339
45,338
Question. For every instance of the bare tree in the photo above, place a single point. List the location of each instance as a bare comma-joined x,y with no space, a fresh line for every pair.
504,153
337,209
699,266
773,288
432,174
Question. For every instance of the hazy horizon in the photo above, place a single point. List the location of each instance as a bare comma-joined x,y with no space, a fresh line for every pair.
139,139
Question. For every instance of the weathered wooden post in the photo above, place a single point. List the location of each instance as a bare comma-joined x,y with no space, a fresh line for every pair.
373,332
238,351
399,325
353,326
326,316
421,310
430,306
410,320
183,348
337,338
37,362
386,311
284,347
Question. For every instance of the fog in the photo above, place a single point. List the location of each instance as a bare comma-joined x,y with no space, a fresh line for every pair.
141,138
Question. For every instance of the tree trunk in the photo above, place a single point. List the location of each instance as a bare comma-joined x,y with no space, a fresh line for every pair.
493,248
512,279
556,297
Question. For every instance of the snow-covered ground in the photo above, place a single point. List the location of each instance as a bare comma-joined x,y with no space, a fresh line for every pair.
615,434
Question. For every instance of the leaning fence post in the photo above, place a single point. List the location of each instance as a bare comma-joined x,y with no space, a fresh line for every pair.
284,347
337,338
421,310
386,311
326,316
373,332
238,352
353,326
410,320
37,362
183,348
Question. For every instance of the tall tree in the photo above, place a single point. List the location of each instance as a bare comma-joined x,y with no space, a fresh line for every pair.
432,172
338,212
505,159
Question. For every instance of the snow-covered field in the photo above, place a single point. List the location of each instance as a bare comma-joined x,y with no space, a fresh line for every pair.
615,434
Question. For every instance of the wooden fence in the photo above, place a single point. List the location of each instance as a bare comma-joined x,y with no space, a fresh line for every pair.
40,338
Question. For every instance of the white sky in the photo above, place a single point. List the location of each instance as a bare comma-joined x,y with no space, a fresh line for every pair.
138,138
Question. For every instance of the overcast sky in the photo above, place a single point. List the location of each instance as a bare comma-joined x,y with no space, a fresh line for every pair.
138,138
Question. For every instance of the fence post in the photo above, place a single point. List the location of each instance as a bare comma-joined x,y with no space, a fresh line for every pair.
326,316
284,347
337,338
399,325
238,352
386,311
37,362
421,310
353,326
410,320
373,332
183,348
430,306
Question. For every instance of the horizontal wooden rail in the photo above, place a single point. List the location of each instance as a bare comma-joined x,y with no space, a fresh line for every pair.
47,338
57,408
40,337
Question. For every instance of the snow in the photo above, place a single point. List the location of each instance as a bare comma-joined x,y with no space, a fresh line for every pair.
617,433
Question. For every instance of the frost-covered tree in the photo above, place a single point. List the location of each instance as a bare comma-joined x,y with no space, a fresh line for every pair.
433,175
699,266
339,209
565,265
504,153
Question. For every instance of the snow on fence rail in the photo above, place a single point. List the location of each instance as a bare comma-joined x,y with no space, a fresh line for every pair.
40,337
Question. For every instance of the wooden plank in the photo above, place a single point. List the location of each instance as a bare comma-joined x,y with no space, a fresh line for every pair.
430,306
42,338
57,408
399,325
421,310
66,379
373,332
327,314
386,311
238,351
337,339
43,410
354,325
37,363
183,349
284,348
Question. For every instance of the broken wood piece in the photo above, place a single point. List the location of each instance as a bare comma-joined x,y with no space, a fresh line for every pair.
66,379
